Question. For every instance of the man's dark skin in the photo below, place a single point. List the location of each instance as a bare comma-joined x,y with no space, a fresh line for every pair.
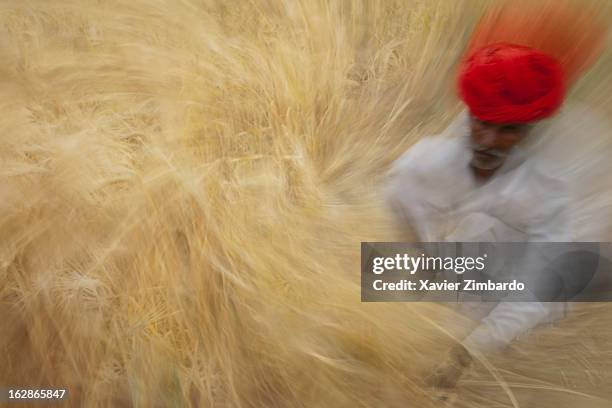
491,144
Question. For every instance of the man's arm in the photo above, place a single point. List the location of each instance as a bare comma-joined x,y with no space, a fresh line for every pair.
408,190
513,317
510,319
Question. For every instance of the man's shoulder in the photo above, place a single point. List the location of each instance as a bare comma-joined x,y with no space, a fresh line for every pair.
427,158
429,173
575,141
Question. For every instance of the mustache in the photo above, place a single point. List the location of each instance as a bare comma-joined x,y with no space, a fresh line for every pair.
491,152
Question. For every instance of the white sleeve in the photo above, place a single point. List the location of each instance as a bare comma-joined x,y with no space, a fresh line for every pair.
510,319
506,322
406,193
409,213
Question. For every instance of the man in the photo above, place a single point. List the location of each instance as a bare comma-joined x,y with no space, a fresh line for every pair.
505,170
490,163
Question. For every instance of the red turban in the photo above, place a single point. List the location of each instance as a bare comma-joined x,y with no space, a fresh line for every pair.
524,54
509,83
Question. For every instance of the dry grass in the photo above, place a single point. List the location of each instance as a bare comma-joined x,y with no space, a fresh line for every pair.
184,186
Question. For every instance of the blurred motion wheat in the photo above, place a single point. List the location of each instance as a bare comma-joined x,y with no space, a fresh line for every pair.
184,186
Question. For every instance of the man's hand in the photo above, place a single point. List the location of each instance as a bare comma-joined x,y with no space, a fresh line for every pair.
448,373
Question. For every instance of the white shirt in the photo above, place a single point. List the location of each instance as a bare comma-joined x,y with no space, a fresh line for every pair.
550,189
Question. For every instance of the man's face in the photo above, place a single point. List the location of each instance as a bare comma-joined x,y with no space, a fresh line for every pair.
491,143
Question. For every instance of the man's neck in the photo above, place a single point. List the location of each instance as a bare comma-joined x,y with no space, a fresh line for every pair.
482,175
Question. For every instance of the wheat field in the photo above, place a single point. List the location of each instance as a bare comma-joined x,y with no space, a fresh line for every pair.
184,186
